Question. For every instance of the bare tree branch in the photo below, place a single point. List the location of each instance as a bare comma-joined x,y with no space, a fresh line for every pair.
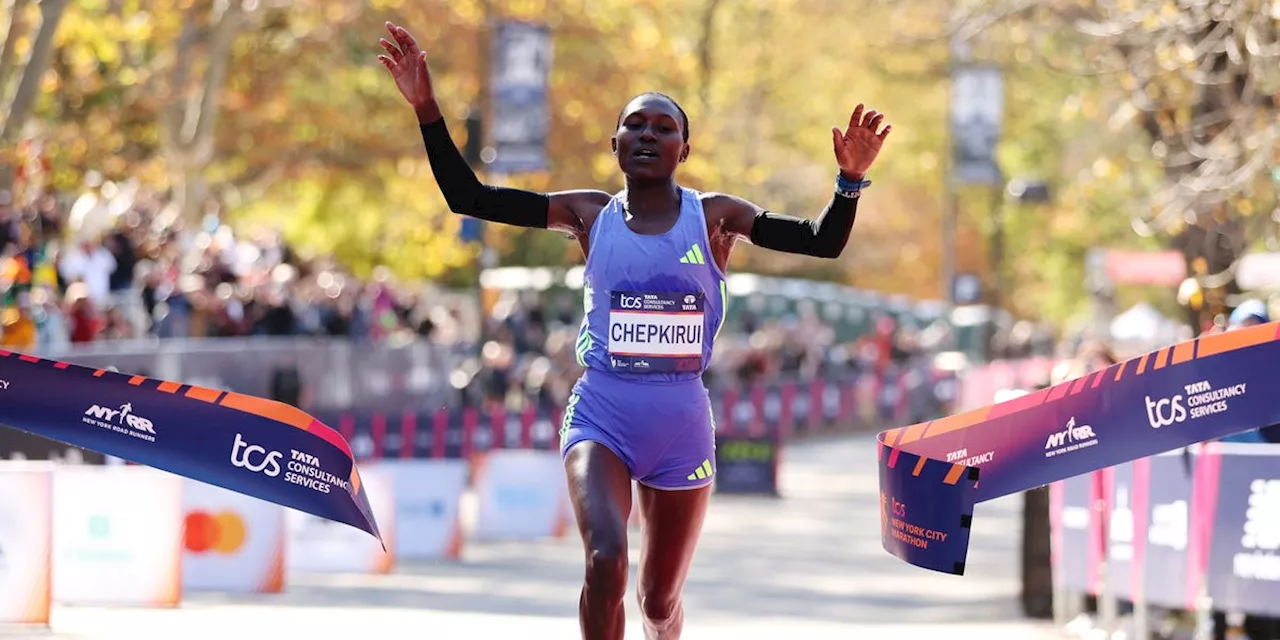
171,116
199,138
189,118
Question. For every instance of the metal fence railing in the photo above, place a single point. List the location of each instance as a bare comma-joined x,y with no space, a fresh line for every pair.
329,374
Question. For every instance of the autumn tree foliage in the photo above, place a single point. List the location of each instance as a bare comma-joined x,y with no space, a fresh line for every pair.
277,112
1199,85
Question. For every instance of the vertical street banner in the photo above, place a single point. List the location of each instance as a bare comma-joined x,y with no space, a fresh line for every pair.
932,474
261,448
977,111
520,74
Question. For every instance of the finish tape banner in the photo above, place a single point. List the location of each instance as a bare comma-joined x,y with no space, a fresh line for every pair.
261,448
933,473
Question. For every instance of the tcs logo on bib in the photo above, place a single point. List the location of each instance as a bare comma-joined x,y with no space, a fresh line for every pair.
223,533
630,302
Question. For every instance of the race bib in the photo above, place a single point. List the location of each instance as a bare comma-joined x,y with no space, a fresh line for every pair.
655,332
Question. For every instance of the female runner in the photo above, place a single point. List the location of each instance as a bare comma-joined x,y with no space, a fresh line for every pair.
654,298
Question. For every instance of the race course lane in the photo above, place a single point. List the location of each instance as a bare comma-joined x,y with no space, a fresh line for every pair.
810,563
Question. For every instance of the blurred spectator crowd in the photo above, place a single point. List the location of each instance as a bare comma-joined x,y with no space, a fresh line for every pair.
528,356
116,263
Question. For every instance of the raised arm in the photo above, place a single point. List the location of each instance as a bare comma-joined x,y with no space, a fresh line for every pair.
568,211
824,237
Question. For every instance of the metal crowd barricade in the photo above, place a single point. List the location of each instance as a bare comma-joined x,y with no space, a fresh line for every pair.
335,374
1195,531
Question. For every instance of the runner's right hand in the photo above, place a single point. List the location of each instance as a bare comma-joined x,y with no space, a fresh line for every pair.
408,65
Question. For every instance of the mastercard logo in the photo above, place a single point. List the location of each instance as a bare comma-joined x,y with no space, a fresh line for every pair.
222,532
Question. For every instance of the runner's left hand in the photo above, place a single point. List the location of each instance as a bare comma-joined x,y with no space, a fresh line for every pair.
857,147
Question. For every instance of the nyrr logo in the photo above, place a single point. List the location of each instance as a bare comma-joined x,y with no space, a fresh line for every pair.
255,458
124,415
1072,437
1165,412
114,419
1070,434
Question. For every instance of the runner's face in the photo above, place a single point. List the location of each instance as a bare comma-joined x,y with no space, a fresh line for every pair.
649,142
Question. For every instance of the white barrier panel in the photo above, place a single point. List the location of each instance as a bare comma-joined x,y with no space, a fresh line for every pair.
427,493
117,536
231,542
316,545
26,523
521,495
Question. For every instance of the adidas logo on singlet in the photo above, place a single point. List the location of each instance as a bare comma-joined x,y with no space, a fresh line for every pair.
693,256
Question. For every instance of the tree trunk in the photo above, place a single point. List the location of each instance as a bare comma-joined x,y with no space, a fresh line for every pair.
28,88
191,192
705,54
189,122
17,9
41,55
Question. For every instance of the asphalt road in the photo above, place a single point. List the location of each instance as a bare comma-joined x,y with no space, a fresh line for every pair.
809,563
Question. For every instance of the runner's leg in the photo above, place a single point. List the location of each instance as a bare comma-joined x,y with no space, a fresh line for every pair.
671,522
600,492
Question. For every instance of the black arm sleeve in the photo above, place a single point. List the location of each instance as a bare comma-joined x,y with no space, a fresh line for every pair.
468,196
824,237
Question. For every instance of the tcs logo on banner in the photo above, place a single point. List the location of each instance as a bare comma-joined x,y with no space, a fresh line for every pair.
1165,411
222,533
1198,400
255,458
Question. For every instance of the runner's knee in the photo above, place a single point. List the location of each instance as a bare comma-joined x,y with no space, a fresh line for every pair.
607,569
658,605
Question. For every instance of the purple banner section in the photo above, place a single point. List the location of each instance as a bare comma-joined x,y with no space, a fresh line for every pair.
1244,553
1168,531
246,444
913,522
1125,542
1072,514
1195,391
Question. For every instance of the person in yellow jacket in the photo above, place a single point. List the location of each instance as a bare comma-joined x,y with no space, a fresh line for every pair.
19,328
